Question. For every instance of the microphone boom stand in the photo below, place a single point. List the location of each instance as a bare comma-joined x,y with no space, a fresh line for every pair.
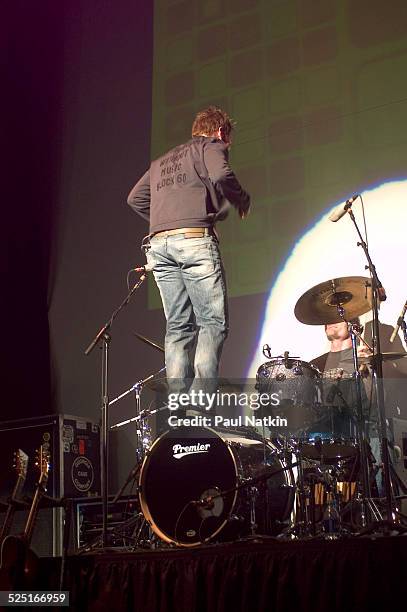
378,294
105,337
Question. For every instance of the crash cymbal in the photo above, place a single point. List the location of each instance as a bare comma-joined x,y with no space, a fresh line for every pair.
318,305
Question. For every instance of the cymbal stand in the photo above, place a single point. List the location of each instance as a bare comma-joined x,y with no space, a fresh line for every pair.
368,511
305,526
143,432
104,336
378,295
253,494
303,519
403,326
134,387
140,414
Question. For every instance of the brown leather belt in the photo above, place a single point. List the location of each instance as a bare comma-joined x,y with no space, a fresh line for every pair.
189,232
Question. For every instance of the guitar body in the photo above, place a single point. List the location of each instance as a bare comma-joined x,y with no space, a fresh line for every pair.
19,565
13,552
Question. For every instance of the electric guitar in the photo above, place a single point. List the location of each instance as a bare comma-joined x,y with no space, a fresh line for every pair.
20,464
18,566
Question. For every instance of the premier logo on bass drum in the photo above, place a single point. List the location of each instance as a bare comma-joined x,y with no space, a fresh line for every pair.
194,449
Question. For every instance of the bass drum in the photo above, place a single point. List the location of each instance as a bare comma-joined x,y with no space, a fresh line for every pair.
187,468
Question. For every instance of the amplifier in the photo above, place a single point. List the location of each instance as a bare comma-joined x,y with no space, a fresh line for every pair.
74,447
124,519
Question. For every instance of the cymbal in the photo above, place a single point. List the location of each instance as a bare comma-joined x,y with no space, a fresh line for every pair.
149,342
318,305
227,386
160,385
391,356
224,385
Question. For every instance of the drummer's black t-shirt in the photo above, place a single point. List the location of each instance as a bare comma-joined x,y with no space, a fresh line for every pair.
332,362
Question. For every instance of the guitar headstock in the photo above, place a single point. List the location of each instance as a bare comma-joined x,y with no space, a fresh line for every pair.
42,462
20,463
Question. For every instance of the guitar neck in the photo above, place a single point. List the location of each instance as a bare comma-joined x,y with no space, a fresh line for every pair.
30,523
8,519
21,465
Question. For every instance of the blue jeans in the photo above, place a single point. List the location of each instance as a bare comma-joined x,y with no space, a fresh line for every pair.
191,280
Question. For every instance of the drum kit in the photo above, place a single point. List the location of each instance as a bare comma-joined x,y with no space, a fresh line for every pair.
200,485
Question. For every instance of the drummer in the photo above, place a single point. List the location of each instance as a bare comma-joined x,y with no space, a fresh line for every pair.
338,362
337,367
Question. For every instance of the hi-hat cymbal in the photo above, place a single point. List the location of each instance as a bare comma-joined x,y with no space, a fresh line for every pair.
318,305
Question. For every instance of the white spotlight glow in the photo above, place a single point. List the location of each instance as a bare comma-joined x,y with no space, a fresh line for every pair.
329,250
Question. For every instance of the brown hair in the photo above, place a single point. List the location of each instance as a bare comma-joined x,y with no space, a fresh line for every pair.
209,120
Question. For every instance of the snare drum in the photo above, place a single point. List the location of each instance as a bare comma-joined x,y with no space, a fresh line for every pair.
329,449
187,468
332,437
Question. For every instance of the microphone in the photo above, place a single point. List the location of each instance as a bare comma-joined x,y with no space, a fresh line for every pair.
206,502
399,323
342,210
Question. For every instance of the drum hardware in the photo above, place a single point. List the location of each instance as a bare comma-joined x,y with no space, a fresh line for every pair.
390,356
378,295
369,509
253,494
103,336
149,381
143,432
267,351
303,523
208,502
149,342
400,323
331,519
305,520
321,305
329,490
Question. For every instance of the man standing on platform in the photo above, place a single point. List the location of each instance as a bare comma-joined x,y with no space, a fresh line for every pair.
182,195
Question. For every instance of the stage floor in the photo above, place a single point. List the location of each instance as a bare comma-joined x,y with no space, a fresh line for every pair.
359,573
